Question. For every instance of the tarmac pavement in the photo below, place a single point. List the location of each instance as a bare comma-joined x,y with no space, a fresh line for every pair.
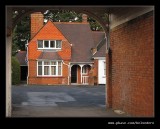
60,101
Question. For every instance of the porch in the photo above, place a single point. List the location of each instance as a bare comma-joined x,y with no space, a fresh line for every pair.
80,74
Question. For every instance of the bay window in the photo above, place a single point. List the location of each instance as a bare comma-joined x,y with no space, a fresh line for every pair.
49,68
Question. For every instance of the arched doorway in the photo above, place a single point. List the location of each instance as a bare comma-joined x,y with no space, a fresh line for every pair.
74,74
80,74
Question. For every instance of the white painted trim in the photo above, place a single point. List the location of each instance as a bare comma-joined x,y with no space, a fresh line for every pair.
101,75
77,63
81,66
61,69
49,42
85,79
49,48
99,58
50,69
47,60
28,72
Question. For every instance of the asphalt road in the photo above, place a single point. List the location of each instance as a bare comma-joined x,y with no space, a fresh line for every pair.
61,96
60,101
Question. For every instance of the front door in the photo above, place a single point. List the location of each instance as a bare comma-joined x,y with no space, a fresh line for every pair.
74,74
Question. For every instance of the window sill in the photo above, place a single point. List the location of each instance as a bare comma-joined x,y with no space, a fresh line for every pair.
49,76
49,48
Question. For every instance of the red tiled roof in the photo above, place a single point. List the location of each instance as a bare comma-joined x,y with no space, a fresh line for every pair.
80,36
21,55
98,36
82,39
50,56
101,52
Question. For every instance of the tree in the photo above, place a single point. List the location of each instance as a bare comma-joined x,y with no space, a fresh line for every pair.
21,34
62,16
15,71
70,16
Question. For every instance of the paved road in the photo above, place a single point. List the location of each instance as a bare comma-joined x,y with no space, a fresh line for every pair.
59,101
61,96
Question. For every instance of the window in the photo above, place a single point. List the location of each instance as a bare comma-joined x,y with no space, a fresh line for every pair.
46,44
49,44
49,68
40,44
84,70
52,44
58,44
39,68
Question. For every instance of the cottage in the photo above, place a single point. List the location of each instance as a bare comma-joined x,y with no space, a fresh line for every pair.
65,53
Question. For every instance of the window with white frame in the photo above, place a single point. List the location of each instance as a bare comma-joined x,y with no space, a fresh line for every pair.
49,44
84,70
49,68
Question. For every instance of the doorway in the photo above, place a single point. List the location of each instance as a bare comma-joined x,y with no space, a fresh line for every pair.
24,73
74,74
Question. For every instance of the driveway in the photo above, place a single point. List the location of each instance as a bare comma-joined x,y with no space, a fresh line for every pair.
60,101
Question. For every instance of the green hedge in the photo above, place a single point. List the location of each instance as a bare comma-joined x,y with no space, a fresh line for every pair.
15,71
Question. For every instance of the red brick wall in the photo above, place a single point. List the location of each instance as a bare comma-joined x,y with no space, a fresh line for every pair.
79,75
47,80
54,34
34,53
37,21
34,79
132,47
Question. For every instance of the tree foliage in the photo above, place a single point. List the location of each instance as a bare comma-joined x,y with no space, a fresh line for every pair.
15,71
21,32
71,16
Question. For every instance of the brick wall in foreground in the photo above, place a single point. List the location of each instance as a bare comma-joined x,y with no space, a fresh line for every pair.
132,74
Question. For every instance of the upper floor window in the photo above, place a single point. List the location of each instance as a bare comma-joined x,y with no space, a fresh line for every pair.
49,44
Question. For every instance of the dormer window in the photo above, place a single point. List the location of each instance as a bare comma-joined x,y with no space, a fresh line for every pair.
49,44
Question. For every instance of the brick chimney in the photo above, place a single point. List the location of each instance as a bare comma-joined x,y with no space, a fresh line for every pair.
37,21
84,18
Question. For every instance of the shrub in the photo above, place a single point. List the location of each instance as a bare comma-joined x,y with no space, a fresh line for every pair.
15,71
